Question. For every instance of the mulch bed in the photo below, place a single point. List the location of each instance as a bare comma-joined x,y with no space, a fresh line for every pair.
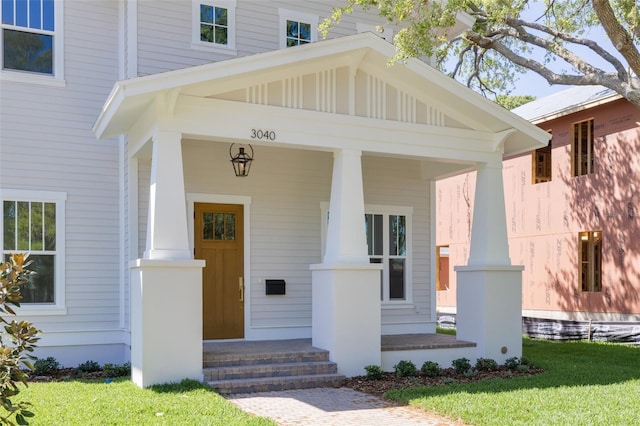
448,376
65,374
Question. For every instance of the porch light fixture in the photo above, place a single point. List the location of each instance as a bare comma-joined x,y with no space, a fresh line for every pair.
241,161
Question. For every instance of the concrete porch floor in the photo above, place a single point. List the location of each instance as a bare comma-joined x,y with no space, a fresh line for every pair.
397,342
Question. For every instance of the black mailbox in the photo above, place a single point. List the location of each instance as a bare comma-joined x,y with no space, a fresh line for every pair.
275,287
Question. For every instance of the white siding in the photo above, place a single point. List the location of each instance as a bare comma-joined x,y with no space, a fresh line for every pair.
286,188
46,143
164,32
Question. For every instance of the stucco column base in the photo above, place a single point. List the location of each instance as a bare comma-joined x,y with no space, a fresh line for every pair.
489,309
166,321
346,314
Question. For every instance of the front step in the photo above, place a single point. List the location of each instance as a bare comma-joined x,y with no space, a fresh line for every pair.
271,366
269,384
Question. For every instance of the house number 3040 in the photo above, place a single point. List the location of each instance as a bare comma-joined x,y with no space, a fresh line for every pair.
269,135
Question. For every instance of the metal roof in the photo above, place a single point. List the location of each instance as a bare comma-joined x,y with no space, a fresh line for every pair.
564,102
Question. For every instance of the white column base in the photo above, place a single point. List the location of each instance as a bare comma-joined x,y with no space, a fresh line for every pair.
346,314
166,321
489,309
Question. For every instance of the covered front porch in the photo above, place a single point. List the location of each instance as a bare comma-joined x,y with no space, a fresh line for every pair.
346,138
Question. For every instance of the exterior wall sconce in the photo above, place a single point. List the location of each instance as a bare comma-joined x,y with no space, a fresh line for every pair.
241,161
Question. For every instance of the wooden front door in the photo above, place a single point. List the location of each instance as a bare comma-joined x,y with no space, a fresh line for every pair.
219,237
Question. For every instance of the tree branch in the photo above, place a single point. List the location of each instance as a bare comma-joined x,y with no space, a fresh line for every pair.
621,39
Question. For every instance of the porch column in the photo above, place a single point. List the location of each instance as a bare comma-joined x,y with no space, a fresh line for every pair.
346,287
166,286
489,294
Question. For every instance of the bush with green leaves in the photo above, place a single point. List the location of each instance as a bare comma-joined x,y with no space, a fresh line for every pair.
374,372
431,369
17,341
88,367
461,365
44,366
486,364
405,369
515,363
114,370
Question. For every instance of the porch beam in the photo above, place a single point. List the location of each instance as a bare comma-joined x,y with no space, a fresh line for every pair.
324,131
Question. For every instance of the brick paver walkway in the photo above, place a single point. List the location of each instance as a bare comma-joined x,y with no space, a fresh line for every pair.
334,406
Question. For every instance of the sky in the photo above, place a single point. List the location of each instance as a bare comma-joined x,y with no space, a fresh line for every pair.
533,84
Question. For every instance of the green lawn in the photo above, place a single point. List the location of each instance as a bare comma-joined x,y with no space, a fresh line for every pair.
123,403
584,384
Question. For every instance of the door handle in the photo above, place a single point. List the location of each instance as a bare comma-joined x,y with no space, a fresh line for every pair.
241,288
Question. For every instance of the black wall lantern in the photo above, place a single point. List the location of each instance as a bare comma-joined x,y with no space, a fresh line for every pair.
241,161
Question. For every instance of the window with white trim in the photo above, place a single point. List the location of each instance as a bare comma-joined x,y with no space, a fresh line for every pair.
388,233
33,222
214,25
297,28
32,41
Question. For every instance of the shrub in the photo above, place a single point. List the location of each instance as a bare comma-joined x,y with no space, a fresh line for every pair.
486,364
461,365
17,340
88,367
512,363
405,369
431,369
45,366
114,370
374,372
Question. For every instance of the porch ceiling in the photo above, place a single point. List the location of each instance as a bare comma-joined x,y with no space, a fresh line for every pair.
345,82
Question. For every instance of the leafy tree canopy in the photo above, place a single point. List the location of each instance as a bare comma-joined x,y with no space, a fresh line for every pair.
511,102
507,34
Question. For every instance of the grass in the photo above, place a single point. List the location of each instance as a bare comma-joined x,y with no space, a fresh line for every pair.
584,383
123,403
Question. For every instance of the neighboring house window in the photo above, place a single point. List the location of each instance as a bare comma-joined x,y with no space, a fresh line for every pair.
380,31
214,25
583,148
442,268
33,223
297,28
32,40
542,164
590,260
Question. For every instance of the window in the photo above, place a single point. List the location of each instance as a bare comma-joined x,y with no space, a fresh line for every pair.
32,41
590,254
542,164
214,25
387,244
582,147
442,268
33,222
297,28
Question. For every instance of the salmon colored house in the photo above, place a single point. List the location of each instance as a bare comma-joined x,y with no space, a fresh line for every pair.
572,211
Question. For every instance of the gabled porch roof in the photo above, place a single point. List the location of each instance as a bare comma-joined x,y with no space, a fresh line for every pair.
342,86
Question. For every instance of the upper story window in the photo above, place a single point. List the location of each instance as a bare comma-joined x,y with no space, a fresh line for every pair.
32,41
214,25
33,222
582,148
542,163
297,28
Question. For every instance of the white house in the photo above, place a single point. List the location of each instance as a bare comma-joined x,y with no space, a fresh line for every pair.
148,242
